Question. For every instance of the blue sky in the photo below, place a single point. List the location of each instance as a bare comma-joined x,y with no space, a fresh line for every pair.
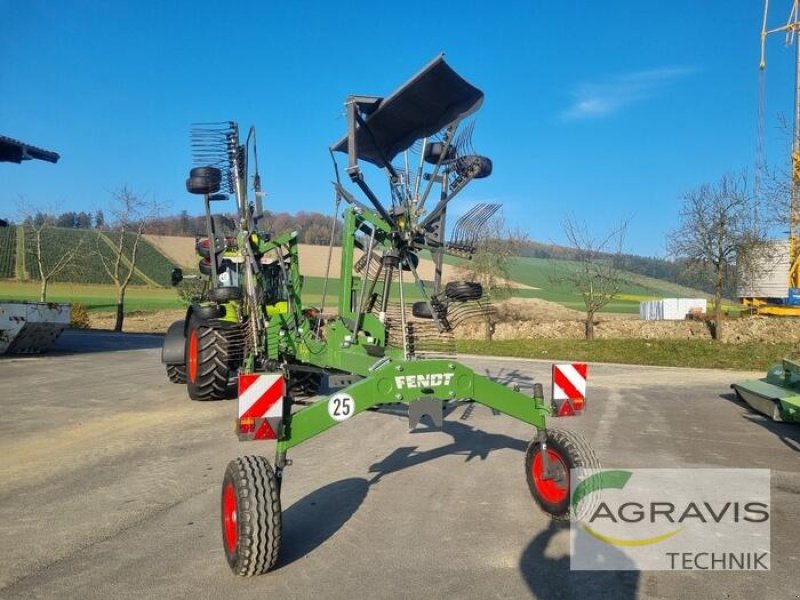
604,111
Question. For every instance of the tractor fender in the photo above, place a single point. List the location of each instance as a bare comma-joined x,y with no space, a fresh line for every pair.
172,351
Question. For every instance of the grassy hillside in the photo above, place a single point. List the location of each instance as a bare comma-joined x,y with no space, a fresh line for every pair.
155,268
8,242
540,272
102,297
152,265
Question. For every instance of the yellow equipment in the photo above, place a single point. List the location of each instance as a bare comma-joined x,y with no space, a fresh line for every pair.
789,304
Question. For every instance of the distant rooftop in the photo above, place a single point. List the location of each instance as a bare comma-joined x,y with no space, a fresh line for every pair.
12,150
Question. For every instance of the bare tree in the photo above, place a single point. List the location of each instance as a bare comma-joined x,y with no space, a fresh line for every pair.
117,249
491,265
596,271
720,233
39,229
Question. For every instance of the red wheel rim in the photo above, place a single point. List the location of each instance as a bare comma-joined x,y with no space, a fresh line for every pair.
192,358
230,526
551,490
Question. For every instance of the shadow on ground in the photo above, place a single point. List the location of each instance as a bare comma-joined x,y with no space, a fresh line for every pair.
75,341
312,520
550,578
787,433
467,441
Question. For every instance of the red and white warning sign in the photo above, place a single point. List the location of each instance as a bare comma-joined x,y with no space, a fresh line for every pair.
569,388
260,406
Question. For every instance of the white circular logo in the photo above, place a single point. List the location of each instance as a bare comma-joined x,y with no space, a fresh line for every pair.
341,407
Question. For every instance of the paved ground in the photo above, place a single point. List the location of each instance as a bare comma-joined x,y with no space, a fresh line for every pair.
110,479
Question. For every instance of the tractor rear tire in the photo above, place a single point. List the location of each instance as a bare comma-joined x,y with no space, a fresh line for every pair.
176,373
208,363
251,516
566,450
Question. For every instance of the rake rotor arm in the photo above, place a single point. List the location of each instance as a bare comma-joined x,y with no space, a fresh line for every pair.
440,325
446,199
365,212
355,106
375,201
451,129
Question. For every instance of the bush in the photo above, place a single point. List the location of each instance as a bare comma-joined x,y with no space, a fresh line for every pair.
79,316
191,289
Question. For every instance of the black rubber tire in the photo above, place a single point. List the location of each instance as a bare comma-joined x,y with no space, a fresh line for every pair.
463,290
412,260
202,185
176,373
422,310
205,267
225,294
479,166
202,246
209,311
571,451
212,172
208,363
434,152
251,516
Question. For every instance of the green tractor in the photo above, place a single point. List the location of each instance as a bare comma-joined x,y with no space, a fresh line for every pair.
298,371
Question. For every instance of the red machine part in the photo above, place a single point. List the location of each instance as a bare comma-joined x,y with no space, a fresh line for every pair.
569,389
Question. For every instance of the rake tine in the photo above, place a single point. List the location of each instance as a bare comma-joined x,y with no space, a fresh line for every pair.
463,142
216,145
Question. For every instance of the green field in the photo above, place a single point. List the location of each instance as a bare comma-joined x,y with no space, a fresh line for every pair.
540,273
94,297
82,285
142,298
103,297
755,356
675,353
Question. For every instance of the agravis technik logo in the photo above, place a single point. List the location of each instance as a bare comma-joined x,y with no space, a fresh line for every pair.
715,519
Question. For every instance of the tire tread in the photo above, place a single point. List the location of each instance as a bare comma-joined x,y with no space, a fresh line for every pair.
176,373
214,365
580,455
259,511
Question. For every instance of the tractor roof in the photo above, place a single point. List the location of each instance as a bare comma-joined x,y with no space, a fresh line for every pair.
12,150
425,104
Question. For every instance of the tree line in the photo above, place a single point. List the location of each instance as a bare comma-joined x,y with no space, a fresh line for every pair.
312,227
69,220
675,270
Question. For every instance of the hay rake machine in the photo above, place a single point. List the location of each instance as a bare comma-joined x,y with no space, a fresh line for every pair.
298,372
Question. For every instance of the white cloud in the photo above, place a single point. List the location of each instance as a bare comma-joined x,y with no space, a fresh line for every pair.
605,97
